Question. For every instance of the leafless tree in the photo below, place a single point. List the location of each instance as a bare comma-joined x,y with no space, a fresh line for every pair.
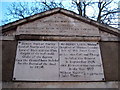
20,10
103,11
81,6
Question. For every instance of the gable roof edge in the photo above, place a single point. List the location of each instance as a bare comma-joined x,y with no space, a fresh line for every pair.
27,19
65,12
92,22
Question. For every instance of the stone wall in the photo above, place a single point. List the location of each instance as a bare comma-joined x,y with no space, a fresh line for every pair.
109,51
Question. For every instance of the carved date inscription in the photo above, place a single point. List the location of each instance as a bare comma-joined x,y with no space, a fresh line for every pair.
58,61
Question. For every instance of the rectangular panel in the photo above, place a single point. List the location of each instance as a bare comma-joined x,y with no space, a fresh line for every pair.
36,61
80,61
58,61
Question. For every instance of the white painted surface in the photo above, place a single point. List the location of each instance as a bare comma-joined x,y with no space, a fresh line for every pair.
58,61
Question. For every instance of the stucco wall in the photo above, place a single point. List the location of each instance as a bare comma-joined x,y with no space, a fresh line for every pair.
110,59
8,57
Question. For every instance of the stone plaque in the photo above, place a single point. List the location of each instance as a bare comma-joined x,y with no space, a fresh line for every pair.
58,61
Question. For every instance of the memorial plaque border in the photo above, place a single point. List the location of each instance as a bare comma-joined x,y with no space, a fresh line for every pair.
103,79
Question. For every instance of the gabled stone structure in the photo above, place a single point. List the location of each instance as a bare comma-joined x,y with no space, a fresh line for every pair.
60,25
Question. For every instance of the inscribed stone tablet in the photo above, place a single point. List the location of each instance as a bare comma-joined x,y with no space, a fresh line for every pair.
58,24
58,61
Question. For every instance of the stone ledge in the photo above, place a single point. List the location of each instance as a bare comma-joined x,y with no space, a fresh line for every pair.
112,84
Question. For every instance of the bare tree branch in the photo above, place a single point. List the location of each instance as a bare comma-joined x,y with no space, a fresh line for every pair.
102,10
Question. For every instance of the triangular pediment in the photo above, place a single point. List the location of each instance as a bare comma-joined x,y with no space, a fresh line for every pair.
58,24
